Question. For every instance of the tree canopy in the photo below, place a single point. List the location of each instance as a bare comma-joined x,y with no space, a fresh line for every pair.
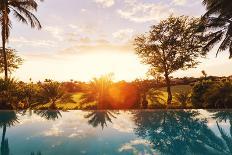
173,44
13,60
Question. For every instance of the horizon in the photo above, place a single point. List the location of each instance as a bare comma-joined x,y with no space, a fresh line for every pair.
82,48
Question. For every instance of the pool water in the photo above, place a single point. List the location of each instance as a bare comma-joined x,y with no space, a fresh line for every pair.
116,132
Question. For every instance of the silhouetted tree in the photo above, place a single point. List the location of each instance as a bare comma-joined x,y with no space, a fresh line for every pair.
98,91
53,92
156,75
204,74
13,60
218,20
173,44
143,86
21,9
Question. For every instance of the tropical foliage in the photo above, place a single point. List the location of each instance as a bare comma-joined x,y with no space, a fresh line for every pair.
13,60
208,94
218,20
98,91
20,9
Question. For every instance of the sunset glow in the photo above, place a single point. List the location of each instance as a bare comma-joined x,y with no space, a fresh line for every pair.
90,38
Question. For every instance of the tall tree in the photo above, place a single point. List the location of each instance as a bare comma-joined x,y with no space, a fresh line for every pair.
13,60
22,10
173,44
218,21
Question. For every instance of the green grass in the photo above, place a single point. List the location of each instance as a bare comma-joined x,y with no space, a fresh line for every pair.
178,89
174,89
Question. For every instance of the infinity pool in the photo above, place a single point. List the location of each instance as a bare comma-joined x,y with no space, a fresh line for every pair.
116,132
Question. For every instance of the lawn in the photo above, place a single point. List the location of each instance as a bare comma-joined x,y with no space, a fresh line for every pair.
178,89
175,89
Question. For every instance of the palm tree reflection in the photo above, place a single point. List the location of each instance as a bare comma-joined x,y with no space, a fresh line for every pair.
38,153
7,119
49,114
226,137
100,117
178,132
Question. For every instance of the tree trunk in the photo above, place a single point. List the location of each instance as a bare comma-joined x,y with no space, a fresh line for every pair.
168,85
4,47
144,101
5,60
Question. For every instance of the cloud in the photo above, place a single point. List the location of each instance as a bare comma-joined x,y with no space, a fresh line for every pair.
105,3
135,146
124,125
56,32
86,45
138,11
84,28
179,2
123,34
21,41
77,134
54,131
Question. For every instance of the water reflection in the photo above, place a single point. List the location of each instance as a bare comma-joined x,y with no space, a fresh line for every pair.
225,116
152,132
7,119
100,117
177,132
38,153
49,114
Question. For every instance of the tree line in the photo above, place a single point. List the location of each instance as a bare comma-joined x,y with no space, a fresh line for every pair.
175,43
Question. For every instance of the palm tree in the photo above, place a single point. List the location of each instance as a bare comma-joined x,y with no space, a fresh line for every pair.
98,91
53,93
218,19
183,98
22,10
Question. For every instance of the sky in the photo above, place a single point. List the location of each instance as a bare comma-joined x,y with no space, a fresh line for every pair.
82,39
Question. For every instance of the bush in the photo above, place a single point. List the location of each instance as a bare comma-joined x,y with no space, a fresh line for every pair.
9,94
208,94
53,92
182,98
198,93
220,96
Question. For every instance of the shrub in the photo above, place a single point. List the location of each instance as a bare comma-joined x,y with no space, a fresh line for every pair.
198,92
53,92
182,98
208,94
220,96
8,94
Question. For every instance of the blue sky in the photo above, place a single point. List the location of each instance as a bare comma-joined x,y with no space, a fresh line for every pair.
81,39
